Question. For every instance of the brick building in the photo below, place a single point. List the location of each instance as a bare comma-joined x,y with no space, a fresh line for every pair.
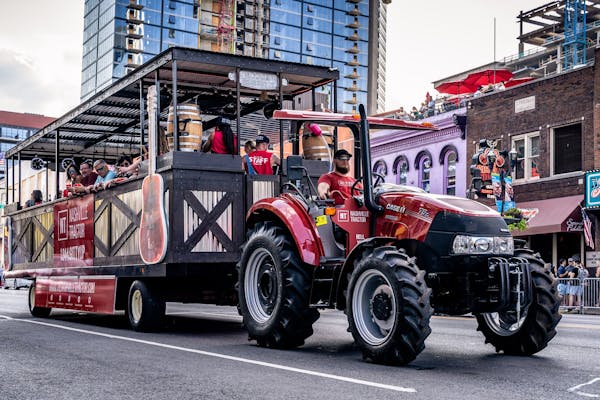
551,123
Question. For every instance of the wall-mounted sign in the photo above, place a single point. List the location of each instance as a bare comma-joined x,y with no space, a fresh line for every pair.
525,104
258,80
592,189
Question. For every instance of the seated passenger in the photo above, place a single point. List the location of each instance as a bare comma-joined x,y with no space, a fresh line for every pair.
36,198
124,167
73,176
261,160
88,178
338,179
105,175
222,140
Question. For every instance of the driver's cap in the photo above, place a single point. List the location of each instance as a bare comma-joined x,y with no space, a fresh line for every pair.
342,155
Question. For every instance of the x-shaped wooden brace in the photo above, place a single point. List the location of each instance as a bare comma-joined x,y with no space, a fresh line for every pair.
133,225
208,221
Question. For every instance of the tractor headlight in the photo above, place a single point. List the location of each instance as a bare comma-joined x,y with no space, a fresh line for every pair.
483,245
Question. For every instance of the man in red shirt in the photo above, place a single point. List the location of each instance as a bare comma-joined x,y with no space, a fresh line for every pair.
261,161
338,179
89,177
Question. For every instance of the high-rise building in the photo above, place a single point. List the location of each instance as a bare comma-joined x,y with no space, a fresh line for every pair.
120,35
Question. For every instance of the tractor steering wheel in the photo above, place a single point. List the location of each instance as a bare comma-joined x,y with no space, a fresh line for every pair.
379,179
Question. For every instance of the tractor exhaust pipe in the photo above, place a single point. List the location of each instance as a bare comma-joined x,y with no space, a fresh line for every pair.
365,154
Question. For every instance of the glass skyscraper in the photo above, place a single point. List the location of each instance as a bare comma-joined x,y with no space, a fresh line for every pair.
349,35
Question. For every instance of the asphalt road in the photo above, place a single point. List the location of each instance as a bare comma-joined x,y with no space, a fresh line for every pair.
204,354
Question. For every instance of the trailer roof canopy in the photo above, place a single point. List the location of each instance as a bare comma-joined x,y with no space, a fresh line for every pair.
110,123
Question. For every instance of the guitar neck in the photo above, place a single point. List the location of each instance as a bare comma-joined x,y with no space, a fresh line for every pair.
152,128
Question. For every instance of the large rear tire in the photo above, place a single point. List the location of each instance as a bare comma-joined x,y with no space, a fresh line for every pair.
388,307
537,323
145,307
40,312
274,290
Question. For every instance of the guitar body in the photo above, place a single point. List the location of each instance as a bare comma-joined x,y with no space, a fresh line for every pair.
153,225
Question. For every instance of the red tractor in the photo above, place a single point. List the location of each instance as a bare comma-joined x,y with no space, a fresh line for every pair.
388,258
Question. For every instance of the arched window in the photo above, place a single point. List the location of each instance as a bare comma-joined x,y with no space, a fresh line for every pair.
380,167
423,163
401,170
448,159
450,173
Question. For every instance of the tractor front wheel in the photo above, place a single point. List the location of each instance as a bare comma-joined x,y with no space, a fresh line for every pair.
529,331
388,306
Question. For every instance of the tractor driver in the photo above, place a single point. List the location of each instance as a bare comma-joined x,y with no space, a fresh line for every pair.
338,179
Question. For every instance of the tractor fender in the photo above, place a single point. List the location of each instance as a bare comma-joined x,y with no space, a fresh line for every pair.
412,247
295,219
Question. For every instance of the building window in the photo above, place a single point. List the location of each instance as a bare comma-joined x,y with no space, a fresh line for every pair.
171,33
401,170
423,164
448,159
171,19
425,174
450,173
309,47
277,40
528,156
172,5
566,149
309,21
380,167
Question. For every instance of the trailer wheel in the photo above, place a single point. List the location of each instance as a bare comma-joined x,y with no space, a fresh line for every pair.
145,307
40,312
537,326
388,306
274,290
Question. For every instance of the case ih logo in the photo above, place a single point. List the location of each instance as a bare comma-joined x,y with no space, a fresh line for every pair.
343,215
63,227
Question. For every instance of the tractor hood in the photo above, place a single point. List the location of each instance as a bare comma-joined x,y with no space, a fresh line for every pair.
428,204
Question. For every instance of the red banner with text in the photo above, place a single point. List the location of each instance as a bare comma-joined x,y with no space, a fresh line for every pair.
90,294
74,232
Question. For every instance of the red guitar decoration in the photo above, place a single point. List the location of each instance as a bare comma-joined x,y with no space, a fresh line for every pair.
153,226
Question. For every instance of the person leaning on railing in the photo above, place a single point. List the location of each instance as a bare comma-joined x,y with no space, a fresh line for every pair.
105,175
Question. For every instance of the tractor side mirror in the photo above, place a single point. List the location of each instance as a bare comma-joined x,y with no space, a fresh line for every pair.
295,169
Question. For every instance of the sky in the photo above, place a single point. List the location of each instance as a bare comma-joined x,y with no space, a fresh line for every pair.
41,45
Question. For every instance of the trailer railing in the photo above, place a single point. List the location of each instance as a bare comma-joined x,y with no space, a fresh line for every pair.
579,294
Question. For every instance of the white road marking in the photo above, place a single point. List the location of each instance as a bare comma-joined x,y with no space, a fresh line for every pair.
225,357
575,389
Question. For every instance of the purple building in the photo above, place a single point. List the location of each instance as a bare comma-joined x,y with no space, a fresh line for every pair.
434,160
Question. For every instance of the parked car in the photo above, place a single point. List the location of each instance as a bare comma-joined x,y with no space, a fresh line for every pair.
16,283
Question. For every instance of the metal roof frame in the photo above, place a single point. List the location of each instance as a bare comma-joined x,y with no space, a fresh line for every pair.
111,123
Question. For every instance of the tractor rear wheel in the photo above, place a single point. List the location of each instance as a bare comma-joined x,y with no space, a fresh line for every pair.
274,289
536,324
388,306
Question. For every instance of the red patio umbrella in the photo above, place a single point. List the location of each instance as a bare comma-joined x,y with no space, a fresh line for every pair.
488,76
517,81
456,87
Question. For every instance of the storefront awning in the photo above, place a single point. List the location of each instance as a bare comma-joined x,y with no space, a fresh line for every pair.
561,214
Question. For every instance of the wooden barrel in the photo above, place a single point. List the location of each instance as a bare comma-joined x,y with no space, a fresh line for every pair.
190,127
317,147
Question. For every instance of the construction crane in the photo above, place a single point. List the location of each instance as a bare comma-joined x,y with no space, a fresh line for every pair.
575,33
225,28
